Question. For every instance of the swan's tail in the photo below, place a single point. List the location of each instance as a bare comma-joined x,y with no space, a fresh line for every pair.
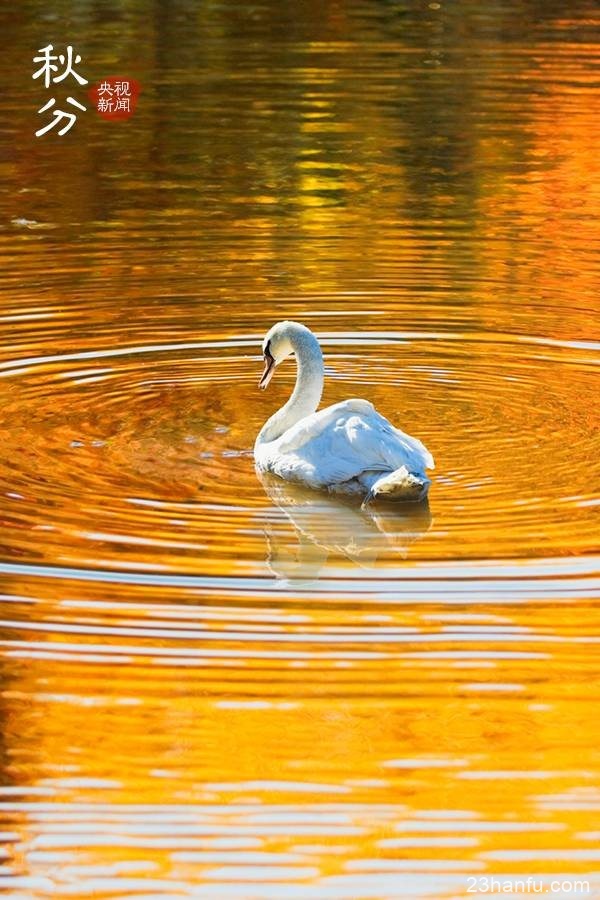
400,485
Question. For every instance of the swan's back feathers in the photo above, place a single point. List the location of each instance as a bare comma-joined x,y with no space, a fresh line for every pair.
314,425
340,443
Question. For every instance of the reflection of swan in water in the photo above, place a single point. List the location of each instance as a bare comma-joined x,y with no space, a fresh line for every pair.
347,448
329,527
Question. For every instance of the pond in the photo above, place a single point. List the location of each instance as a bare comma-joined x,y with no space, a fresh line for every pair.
220,687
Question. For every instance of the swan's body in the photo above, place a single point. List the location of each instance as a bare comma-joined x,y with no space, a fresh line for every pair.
348,447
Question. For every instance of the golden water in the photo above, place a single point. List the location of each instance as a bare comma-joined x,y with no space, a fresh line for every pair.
217,688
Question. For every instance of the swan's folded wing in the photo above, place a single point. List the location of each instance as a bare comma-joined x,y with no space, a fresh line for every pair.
373,437
342,441
313,426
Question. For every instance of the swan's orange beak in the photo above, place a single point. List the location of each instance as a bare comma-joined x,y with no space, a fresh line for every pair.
267,371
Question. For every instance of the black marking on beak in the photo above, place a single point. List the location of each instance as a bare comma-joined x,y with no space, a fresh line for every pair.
268,369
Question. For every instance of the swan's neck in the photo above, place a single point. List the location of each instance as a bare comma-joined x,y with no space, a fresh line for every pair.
307,391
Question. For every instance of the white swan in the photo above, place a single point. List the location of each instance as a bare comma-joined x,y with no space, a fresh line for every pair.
348,447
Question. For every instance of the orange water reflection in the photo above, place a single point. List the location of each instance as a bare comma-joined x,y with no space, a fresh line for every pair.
213,687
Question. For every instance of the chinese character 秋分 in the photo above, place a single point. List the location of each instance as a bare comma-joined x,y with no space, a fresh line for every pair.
48,69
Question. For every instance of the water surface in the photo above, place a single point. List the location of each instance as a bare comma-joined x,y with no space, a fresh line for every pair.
218,687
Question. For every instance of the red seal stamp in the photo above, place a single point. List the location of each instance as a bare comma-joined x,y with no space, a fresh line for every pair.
115,97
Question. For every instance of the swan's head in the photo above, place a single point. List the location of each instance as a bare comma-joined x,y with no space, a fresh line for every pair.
281,341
